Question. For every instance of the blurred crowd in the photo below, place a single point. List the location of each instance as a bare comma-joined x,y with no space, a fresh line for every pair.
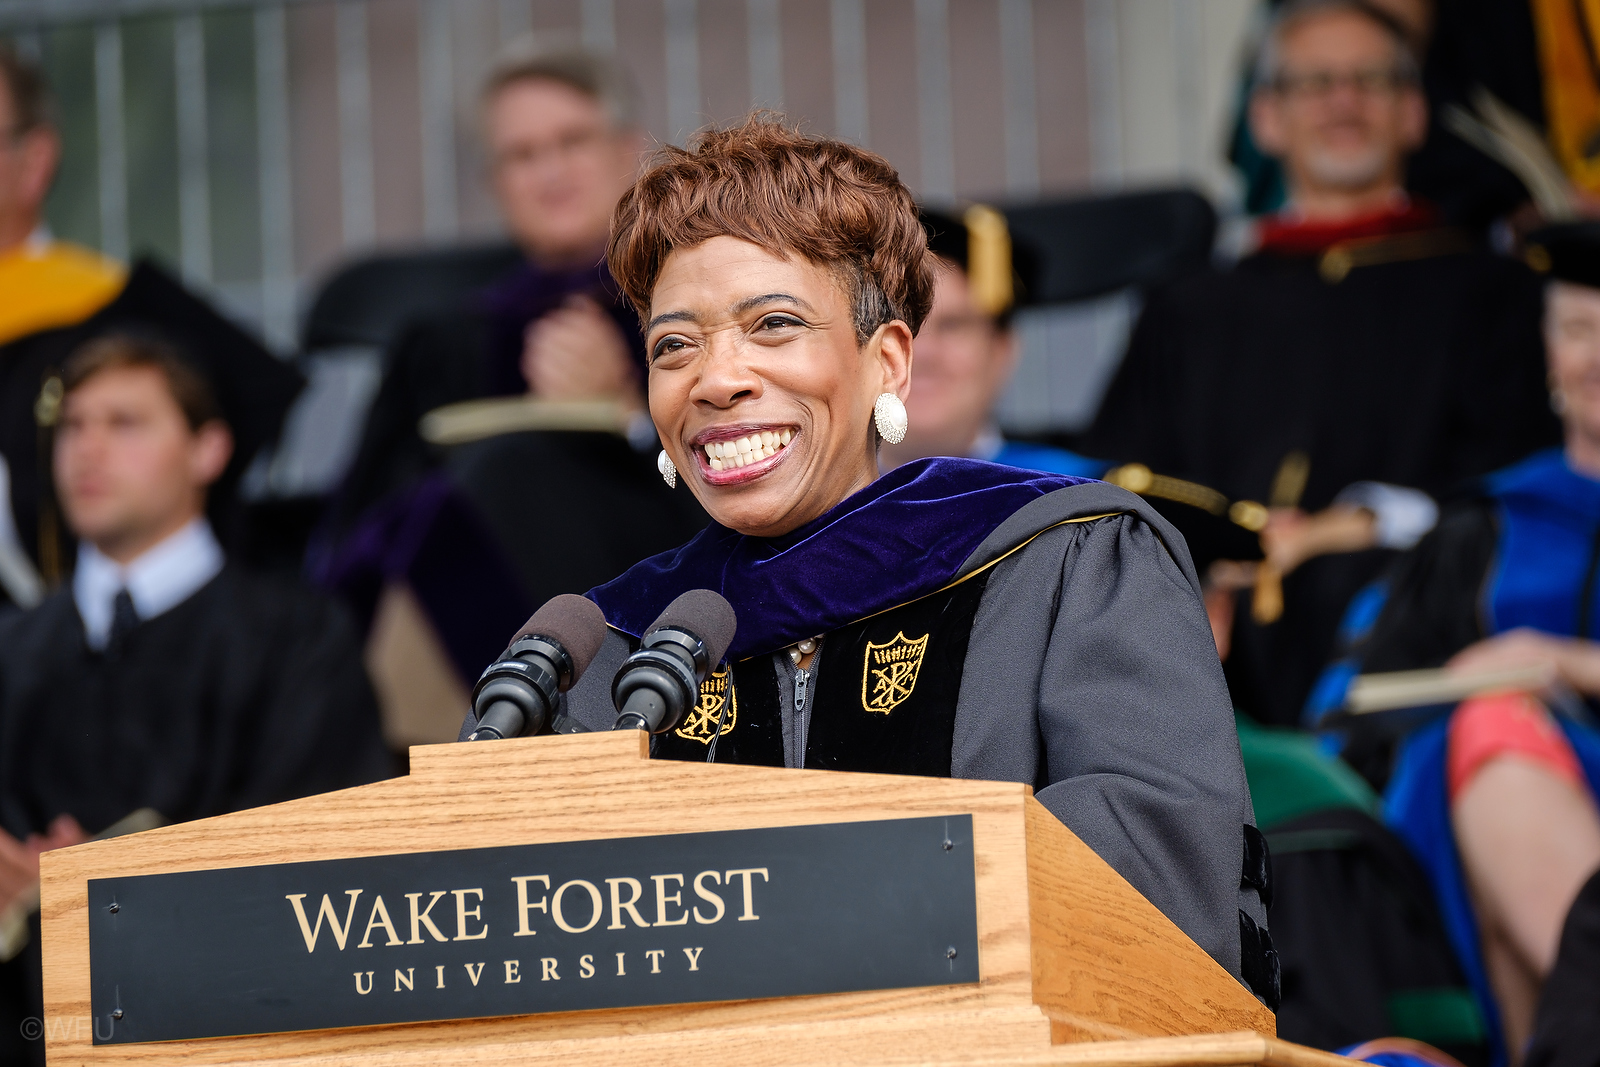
1378,431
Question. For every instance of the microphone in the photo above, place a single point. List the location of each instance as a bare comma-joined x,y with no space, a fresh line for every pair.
659,683
517,692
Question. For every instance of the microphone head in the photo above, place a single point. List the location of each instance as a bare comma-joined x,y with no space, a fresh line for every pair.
572,621
707,615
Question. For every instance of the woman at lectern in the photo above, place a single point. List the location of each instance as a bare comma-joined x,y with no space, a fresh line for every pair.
952,617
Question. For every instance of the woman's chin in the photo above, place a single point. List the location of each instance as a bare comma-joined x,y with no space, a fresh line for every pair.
759,504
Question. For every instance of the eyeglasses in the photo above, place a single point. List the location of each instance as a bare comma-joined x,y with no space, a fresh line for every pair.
562,148
1316,84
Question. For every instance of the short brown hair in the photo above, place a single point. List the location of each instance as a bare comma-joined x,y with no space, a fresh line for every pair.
1269,60
193,395
24,84
594,74
826,201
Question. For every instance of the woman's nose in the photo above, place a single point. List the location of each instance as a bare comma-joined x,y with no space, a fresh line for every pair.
726,375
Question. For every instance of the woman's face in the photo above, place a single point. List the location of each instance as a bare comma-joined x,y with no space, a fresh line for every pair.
760,393
1572,341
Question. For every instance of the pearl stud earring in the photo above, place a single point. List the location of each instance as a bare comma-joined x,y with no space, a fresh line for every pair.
889,413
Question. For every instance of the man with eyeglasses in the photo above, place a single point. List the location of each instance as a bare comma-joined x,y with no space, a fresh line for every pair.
43,282
455,538
1359,363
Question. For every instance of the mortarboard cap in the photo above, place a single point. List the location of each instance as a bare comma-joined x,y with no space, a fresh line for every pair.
1569,252
1000,273
253,388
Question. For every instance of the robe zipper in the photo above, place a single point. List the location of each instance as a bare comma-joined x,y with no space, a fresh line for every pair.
800,679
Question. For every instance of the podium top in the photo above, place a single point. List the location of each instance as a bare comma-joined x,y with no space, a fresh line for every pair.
1066,950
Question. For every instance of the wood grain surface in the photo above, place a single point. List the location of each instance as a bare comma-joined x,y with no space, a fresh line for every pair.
1067,949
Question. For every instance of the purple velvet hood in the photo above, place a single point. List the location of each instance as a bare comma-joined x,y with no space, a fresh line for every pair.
902,537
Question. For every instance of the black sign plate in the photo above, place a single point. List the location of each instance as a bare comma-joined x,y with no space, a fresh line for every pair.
730,915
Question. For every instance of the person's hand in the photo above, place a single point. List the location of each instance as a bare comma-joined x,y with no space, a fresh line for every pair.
1573,660
1219,588
19,860
577,352
1291,536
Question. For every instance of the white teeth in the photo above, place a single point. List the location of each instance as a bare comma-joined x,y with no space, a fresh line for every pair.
743,451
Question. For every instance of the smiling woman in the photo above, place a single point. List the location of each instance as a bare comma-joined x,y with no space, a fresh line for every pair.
951,618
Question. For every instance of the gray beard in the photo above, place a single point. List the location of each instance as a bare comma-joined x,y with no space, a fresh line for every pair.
1350,173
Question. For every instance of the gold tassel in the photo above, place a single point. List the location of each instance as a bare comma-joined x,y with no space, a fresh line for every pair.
989,259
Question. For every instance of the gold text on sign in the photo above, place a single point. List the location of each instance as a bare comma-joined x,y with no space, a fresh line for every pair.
889,672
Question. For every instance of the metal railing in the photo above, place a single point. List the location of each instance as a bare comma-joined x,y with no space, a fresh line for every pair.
255,143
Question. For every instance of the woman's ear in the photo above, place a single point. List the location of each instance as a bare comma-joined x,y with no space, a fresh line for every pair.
892,346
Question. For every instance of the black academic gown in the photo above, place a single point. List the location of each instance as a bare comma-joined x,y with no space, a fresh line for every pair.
1567,1027
246,693
560,511
470,352
1417,372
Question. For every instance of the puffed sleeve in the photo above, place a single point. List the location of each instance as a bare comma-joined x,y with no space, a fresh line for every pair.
1092,674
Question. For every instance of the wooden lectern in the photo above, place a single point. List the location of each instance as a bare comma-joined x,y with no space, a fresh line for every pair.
1074,965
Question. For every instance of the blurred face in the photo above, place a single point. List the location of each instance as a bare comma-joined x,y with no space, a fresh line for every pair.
1340,117
558,166
760,393
128,469
963,362
1572,344
27,163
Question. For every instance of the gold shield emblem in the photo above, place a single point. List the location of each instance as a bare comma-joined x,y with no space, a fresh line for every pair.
889,672
701,722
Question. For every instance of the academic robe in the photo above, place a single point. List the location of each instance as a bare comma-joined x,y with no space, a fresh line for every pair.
1566,1031
247,693
487,531
1390,352
1521,551
982,622
468,353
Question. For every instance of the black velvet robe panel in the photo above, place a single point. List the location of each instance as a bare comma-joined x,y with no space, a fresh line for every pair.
1419,373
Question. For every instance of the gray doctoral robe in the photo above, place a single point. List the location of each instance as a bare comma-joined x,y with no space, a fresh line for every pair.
1091,674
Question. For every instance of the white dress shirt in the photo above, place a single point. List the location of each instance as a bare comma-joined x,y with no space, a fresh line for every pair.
159,580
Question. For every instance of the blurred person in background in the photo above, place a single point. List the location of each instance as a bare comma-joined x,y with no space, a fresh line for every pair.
45,282
1499,798
967,351
562,134
1363,360
445,552
162,677
54,298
